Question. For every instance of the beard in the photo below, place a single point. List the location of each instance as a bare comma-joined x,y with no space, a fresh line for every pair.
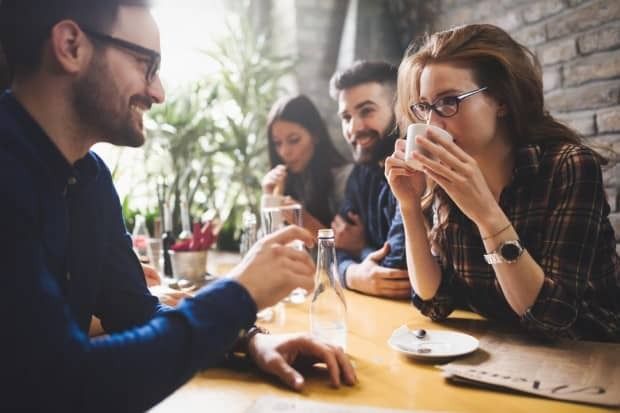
383,144
99,105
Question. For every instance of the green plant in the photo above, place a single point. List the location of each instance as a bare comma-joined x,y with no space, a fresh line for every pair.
208,143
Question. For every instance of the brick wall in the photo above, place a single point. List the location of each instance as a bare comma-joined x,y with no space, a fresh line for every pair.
317,32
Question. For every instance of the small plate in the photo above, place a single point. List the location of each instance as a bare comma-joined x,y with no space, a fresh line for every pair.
435,344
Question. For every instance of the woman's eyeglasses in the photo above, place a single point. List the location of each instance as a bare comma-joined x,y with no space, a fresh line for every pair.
446,106
153,57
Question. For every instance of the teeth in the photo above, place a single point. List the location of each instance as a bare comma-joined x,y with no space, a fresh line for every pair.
137,109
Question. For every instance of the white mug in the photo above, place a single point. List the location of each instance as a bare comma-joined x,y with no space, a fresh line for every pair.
414,130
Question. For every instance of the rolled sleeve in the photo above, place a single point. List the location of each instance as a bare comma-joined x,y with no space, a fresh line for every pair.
396,258
344,261
552,313
443,303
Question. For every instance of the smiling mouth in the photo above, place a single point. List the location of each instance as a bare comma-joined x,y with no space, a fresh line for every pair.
138,109
364,141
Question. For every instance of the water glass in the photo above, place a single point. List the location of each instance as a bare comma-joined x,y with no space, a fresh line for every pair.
274,218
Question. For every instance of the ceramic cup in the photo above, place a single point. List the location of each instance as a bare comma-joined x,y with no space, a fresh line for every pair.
420,129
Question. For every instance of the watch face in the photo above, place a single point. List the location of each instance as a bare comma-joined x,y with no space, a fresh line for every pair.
510,252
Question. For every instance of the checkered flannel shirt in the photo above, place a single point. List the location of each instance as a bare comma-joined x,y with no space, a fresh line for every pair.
557,205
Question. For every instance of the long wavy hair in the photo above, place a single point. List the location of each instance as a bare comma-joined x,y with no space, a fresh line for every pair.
513,76
312,185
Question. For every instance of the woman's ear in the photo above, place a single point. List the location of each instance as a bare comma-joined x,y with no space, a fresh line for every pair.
502,110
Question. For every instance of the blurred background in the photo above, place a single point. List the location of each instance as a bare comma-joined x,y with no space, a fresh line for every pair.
225,62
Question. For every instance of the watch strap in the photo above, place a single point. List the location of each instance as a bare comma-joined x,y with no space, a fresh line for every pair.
496,256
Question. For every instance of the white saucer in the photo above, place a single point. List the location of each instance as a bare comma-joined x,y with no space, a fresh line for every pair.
435,344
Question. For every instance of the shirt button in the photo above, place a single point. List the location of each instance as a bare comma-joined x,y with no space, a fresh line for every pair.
68,276
72,180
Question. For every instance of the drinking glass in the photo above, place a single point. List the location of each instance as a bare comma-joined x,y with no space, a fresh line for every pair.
274,218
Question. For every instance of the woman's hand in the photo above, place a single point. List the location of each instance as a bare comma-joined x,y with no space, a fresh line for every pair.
407,184
274,178
459,175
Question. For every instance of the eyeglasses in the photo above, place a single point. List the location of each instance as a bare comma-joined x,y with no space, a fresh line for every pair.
446,106
154,58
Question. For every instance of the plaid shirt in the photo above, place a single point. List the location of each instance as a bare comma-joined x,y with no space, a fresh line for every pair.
557,205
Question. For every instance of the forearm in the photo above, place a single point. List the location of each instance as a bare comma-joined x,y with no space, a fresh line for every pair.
424,272
311,223
148,362
520,281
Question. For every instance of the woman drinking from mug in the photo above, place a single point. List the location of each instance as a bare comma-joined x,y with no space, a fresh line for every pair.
306,167
520,230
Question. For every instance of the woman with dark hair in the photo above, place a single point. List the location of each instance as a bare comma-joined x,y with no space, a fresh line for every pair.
520,229
306,167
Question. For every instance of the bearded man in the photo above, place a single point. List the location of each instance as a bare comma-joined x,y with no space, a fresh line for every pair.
368,231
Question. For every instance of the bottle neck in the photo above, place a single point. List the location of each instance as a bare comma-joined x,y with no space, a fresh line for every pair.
167,219
326,258
185,224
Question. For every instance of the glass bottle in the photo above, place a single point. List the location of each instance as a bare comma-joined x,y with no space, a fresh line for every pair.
186,230
328,309
140,237
167,240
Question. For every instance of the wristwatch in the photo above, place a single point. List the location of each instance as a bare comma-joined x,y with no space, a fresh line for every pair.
239,351
506,252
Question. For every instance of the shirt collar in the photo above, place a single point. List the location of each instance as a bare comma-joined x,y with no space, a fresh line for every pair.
41,146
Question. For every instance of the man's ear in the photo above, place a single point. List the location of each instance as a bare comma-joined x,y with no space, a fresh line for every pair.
69,48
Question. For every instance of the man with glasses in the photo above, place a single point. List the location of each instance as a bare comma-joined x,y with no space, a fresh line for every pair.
368,231
85,71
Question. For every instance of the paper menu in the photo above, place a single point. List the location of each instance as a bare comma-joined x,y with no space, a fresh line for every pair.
580,371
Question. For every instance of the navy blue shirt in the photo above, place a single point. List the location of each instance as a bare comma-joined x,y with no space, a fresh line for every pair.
369,195
65,256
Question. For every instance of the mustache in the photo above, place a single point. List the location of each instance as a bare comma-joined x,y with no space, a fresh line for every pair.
144,101
367,133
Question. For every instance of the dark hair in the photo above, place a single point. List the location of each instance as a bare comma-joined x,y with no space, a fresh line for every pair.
360,72
25,25
512,74
311,185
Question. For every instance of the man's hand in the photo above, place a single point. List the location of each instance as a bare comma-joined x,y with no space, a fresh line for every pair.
276,354
371,278
271,269
349,237
151,275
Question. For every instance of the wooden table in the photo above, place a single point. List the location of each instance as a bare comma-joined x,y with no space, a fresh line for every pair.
386,378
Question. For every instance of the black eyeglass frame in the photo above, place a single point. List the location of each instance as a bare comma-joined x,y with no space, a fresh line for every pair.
153,56
415,108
